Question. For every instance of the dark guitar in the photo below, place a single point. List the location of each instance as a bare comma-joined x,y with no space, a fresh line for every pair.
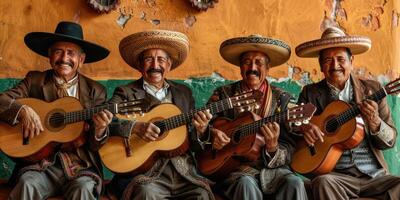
62,120
137,155
341,131
246,142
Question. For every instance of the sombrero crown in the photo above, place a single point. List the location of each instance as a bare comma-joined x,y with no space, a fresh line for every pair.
40,42
176,44
334,37
277,51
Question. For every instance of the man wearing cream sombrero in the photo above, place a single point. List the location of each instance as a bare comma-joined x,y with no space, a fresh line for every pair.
269,176
154,54
362,171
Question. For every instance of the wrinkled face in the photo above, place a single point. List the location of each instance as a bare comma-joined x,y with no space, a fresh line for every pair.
66,58
155,65
254,67
336,64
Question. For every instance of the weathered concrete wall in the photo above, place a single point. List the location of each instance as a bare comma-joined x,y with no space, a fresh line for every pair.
290,20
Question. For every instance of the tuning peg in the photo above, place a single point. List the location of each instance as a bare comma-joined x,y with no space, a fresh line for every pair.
297,123
302,104
240,110
306,121
256,106
141,113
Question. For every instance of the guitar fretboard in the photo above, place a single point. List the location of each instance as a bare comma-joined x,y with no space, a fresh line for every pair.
254,127
352,112
182,119
82,115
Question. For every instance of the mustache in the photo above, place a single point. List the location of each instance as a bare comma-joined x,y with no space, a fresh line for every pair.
249,72
62,63
154,70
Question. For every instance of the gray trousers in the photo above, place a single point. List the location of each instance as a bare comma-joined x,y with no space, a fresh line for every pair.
170,185
340,186
38,185
247,187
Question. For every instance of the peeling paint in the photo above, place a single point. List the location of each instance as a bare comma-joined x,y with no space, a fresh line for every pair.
151,3
395,19
77,17
142,16
190,20
155,21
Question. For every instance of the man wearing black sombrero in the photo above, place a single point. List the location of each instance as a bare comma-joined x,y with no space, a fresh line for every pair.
72,169
361,171
155,53
268,177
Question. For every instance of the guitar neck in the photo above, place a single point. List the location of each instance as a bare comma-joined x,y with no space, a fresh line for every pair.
82,115
254,127
355,110
185,118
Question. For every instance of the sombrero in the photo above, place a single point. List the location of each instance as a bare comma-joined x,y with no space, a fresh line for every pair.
176,44
334,37
40,42
277,51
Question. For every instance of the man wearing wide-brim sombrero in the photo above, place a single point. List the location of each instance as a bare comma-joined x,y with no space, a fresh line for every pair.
268,176
154,53
71,168
361,171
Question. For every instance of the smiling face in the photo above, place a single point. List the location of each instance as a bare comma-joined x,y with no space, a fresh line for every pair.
336,64
66,58
254,67
155,64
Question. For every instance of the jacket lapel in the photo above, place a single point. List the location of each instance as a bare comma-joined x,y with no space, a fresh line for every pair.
49,88
359,90
84,92
325,96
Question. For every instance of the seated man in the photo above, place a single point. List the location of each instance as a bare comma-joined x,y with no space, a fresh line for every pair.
154,54
361,171
269,176
74,172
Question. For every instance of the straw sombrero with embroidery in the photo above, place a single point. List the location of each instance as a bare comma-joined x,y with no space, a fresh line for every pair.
176,44
334,37
277,50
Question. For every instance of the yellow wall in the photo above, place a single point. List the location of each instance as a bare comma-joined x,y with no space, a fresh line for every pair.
294,21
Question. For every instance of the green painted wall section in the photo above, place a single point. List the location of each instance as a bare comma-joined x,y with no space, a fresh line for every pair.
202,89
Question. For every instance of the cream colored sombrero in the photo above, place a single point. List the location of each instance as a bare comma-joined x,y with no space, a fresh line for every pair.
176,44
334,37
277,51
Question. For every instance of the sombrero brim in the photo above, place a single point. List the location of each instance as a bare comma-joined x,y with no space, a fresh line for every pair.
356,44
277,50
40,43
176,44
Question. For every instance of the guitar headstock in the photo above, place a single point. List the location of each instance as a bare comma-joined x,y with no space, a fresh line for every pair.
393,87
300,114
247,101
137,106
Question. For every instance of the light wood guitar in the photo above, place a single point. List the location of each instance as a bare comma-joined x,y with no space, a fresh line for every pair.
246,142
62,120
136,155
341,130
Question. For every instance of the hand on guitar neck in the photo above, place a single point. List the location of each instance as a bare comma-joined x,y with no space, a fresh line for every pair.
369,112
150,132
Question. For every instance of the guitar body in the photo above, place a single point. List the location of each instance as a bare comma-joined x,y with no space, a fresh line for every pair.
347,136
11,137
221,163
143,154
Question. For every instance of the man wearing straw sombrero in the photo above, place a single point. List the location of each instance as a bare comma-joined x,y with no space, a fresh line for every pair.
74,169
155,53
361,171
269,176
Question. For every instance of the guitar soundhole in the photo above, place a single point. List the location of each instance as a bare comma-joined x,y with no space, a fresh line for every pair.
332,125
236,137
55,120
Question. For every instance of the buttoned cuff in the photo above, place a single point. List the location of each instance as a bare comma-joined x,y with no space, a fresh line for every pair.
384,133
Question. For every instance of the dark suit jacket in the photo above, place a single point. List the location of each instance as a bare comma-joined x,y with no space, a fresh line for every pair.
319,95
41,85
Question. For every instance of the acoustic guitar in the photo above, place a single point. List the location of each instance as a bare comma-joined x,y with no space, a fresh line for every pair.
341,130
62,120
246,142
135,155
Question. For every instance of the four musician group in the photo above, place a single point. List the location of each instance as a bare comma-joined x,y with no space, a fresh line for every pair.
74,169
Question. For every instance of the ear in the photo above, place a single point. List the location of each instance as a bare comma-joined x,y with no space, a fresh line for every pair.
82,58
169,64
